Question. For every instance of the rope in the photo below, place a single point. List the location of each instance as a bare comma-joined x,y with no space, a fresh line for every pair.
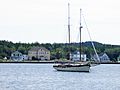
91,39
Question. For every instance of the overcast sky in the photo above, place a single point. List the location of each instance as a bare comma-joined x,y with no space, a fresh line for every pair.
45,21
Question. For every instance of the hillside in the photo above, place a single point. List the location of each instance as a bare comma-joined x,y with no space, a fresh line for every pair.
59,50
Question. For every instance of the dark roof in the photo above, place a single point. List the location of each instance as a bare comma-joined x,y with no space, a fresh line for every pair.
76,52
38,48
101,54
16,52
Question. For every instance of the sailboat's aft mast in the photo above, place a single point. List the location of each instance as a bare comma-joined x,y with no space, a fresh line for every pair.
80,35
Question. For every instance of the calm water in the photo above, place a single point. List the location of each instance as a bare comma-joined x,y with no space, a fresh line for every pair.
44,77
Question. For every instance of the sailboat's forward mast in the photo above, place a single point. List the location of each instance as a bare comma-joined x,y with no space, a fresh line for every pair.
69,29
69,22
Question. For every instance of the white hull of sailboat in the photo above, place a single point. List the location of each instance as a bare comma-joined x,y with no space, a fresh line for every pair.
84,68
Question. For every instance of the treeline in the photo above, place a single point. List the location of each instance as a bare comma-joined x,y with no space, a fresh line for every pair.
60,50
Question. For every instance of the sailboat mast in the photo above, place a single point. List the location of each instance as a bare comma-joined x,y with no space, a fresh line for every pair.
69,29
69,22
80,35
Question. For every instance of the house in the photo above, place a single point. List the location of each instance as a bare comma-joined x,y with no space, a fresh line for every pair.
75,56
16,56
103,57
118,58
38,53
5,58
25,57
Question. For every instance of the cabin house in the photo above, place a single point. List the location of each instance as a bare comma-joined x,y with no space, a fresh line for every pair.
75,56
16,56
103,57
38,53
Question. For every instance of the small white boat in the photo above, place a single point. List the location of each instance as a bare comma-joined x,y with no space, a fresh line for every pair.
72,67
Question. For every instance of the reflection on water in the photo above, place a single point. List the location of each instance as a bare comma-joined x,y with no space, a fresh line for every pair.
44,77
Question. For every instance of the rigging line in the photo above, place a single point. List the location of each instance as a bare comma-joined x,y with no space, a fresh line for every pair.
91,39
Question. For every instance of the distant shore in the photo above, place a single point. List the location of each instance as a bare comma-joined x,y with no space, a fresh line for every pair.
36,61
30,62
53,61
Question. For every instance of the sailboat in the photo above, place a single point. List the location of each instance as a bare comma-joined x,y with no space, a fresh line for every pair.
73,67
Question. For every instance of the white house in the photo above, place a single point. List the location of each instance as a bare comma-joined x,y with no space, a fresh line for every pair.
75,56
25,57
118,58
5,58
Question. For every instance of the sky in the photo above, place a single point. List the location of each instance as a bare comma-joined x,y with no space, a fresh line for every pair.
45,21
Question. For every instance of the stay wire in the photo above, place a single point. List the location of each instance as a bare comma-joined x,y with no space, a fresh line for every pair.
91,38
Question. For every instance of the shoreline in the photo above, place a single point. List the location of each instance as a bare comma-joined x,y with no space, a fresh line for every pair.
49,62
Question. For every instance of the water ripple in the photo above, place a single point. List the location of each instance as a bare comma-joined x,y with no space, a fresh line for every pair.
44,77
